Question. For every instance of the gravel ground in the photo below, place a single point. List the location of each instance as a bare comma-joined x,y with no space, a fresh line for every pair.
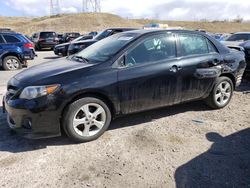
187,145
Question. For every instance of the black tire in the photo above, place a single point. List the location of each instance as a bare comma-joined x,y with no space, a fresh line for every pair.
211,99
73,109
37,47
7,67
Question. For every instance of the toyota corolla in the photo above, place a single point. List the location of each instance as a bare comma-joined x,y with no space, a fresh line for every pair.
122,74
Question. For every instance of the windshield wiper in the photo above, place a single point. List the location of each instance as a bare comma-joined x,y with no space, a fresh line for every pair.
82,59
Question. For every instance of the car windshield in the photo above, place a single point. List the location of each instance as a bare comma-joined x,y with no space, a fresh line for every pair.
73,34
48,35
103,34
239,37
105,49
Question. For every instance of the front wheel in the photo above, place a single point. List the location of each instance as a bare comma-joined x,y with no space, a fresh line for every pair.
86,119
221,94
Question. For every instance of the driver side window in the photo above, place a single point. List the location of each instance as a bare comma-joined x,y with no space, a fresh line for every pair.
153,49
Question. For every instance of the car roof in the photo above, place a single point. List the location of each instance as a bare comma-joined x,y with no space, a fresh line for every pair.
242,33
9,33
145,31
122,28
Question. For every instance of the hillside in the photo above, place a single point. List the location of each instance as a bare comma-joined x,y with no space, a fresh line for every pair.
86,22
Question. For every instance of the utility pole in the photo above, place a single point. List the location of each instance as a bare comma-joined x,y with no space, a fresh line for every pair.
54,7
91,5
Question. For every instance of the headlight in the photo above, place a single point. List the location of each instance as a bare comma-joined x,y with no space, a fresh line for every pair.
33,92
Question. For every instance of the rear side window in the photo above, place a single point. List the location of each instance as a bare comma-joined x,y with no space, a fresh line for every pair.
153,49
1,40
192,44
11,39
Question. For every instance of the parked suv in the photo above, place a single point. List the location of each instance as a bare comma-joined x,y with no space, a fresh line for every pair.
77,46
45,40
126,73
15,50
67,37
240,41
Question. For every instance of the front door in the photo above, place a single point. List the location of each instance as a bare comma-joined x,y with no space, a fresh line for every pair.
150,77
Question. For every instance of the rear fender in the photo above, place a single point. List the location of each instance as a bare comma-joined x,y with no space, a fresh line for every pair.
11,53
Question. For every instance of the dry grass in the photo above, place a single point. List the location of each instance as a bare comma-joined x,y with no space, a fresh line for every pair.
86,22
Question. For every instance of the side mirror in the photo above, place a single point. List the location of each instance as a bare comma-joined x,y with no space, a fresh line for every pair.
214,137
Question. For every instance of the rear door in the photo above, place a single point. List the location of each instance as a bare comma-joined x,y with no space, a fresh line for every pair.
148,80
199,59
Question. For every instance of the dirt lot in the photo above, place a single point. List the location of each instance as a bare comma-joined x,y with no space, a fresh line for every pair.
175,146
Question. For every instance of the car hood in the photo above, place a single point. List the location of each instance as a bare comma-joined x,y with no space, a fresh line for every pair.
49,69
232,43
245,44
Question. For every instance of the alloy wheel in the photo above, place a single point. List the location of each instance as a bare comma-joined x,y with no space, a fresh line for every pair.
223,93
12,64
89,120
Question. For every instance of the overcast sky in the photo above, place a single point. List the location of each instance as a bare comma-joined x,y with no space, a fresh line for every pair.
161,9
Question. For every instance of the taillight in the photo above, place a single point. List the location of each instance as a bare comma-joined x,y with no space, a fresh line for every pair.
28,45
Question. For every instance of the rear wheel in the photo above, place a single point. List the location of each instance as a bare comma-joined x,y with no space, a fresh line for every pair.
37,47
11,63
86,119
221,94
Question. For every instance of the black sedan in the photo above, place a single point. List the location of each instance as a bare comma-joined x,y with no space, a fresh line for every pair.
80,45
62,49
122,74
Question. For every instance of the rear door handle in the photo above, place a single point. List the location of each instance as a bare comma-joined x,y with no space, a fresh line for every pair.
175,68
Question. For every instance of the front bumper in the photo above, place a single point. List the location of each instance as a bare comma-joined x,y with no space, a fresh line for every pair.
60,51
33,119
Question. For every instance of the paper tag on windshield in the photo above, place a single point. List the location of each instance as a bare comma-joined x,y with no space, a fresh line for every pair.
125,38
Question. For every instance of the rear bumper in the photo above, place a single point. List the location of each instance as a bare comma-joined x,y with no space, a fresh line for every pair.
32,119
29,55
47,45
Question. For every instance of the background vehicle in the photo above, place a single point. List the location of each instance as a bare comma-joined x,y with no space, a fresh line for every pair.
15,50
77,46
60,38
93,33
67,37
240,41
45,39
122,74
62,49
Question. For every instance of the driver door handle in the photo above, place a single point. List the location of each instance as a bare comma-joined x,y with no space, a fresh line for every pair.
175,68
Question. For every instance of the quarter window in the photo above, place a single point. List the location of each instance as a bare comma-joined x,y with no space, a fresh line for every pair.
155,48
11,39
193,44
211,47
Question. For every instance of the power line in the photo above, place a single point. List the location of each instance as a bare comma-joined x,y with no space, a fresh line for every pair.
91,5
